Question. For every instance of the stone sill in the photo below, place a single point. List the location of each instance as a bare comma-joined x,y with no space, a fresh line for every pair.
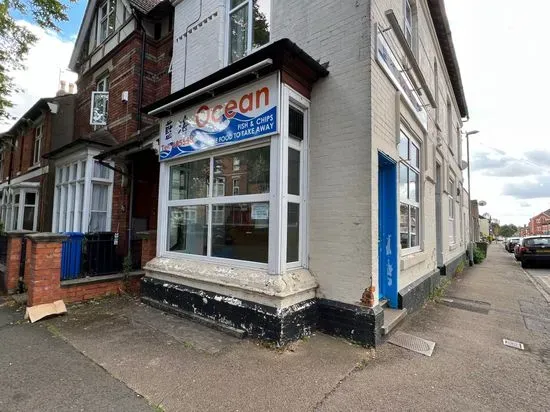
408,261
99,279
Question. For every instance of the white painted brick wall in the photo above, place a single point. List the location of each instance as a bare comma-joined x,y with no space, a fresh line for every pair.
345,135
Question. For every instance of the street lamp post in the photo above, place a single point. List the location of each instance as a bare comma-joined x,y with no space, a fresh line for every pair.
469,195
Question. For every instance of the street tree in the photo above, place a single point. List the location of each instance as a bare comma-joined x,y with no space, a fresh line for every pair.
508,230
16,40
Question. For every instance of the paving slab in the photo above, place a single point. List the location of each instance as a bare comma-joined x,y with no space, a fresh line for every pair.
41,372
185,366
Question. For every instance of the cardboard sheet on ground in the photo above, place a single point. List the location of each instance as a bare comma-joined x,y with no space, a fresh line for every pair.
38,312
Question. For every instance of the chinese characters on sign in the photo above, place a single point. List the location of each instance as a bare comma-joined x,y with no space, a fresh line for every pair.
246,113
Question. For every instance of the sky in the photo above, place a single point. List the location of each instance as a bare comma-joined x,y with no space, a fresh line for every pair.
502,52
502,49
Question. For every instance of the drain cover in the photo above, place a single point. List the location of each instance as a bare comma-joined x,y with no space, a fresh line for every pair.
414,343
513,344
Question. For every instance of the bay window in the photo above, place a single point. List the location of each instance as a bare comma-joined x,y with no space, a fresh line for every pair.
242,203
19,206
83,195
409,191
249,26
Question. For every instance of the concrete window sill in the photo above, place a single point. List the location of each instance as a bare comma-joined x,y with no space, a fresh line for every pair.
99,279
412,260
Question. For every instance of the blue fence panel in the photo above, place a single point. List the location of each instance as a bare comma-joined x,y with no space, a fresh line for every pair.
71,256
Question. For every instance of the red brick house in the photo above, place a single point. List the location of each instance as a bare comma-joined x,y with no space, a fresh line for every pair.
107,175
26,179
540,224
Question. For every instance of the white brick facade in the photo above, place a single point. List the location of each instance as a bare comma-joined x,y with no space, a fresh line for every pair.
353,117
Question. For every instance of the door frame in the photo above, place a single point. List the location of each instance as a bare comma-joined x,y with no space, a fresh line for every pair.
388,221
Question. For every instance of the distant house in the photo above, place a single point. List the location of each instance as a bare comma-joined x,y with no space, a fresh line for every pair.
540,224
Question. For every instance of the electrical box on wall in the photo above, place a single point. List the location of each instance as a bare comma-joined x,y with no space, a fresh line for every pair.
124,96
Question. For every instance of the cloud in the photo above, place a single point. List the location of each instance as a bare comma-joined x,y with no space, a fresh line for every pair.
502,166
525,204
45,64
535,189
541,157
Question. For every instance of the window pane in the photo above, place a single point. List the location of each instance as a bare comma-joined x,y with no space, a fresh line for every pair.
262,13
293,233
414,225
404,147
403,179
190,180
242,232
414,153
413,185
253,171
235,3
99,197
404,226
295,123
293,172
188,229
15,217
238,33
98,222
101,171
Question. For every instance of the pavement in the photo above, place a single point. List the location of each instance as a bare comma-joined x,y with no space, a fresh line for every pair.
121,348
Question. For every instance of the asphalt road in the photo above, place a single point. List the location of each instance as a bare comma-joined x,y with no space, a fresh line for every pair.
39,371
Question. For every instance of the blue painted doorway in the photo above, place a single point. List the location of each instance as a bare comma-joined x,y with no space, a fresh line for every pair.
387,229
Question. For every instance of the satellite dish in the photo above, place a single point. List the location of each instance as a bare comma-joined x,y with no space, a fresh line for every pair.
482,203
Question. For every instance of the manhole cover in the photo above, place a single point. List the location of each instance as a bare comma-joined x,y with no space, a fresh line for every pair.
414,343
513,344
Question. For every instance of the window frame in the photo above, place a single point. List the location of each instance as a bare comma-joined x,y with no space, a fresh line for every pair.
100,18
412,140
79,189
37,144
250,29
277,198
12,213
410,27
452,207
102,89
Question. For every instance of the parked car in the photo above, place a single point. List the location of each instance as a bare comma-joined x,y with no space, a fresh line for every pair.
534,249
511,244
516,249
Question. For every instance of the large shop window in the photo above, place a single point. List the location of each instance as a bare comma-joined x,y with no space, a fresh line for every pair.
83,191
409,191
239,218
241,204
249,26
19,207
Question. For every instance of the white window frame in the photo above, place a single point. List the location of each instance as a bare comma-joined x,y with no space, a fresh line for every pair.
74,193
276,197
111,9
37,147
9,209
409,27
235,186
250,28
102,91
419,229
452,208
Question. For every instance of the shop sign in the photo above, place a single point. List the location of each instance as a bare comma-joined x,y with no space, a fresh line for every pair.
243,114
389,62
260,211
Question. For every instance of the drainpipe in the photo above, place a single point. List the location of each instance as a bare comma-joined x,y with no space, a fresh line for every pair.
141,71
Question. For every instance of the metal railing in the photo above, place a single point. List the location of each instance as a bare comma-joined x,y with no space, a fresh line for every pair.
98,254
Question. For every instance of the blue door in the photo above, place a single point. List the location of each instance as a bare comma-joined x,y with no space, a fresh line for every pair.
387,229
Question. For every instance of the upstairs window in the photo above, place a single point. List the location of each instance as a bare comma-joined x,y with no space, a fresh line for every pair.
248,26
99,103
37,145
106,18
452,226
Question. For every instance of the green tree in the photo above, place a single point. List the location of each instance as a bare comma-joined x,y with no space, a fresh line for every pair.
16,40
508,230
261,26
